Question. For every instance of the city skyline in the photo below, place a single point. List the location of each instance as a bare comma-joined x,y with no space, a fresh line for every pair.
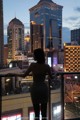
71,11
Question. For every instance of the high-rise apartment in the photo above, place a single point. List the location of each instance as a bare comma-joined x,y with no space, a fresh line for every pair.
75,35
71,58
1,34
49,14
15,37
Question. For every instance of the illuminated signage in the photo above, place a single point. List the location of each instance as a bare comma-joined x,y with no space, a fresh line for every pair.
55,61
56,111
12,117
32,114
49,61
31,60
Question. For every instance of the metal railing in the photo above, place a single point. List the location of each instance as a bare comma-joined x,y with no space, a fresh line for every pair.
62,91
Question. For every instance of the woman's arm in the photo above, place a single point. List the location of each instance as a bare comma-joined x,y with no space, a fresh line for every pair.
28,71
21,74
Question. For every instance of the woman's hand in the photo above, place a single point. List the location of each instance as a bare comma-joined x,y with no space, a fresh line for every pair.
10,74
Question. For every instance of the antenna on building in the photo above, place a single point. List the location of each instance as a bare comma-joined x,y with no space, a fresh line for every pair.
15,14
27,32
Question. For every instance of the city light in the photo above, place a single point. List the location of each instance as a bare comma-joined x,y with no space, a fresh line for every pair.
45,31
7,80
57,110
76,77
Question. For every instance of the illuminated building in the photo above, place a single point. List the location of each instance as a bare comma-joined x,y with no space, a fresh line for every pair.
49,14
1,34
20,56
27,42
15,37
36,36
71,58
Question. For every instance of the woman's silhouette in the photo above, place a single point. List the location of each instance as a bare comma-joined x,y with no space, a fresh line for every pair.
39,89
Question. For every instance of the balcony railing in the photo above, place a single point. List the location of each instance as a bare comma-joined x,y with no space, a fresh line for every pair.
65,85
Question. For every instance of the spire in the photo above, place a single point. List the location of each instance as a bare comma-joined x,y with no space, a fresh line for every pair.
46,0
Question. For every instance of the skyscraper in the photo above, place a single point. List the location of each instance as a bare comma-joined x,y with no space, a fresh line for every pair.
15,37
49,14
1,34
75,36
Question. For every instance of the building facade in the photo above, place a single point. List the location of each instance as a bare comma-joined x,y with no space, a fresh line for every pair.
71,58
75,36
15,37
1,34
36,36
5,54
49,14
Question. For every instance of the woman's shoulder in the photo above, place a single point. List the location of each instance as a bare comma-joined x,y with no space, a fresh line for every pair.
47,65
32,63
36,64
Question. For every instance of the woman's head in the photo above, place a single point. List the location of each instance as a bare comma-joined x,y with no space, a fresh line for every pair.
39,55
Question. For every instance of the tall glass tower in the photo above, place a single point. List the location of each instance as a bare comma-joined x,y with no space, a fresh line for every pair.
49,14
1,34
15,32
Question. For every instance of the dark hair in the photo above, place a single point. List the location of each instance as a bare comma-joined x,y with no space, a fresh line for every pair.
39,55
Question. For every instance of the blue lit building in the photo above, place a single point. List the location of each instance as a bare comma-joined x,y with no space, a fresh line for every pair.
48,14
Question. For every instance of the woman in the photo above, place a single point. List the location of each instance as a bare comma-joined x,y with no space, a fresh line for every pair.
39,89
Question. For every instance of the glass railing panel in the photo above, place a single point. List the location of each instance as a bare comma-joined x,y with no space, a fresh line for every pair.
16,85
71,96
12,85
56,98
15,89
